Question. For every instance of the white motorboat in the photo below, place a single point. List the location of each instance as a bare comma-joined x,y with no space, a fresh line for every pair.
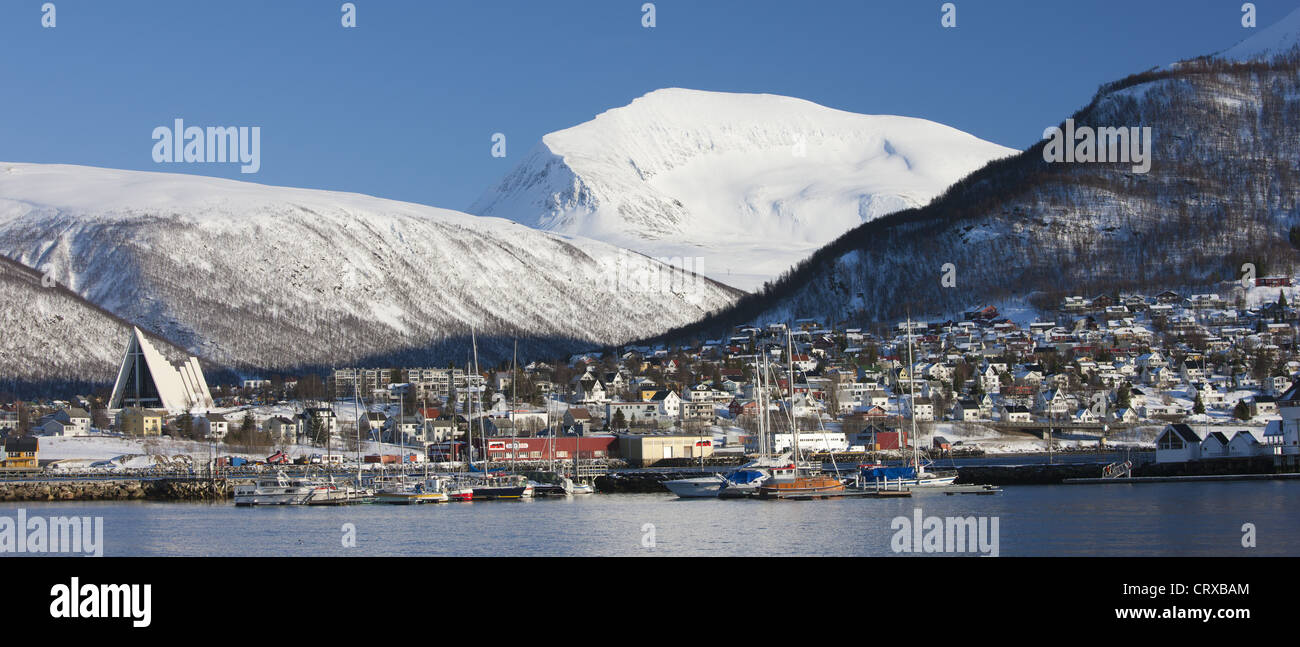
278,490
697,488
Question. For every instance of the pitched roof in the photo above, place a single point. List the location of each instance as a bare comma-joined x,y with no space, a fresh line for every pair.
1184,431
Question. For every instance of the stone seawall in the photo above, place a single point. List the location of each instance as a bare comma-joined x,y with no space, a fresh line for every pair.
639,482
117,490
1041,474
1049,474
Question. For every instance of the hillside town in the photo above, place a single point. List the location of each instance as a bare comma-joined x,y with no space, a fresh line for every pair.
1181,367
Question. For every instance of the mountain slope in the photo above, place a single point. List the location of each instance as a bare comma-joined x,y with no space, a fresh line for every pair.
1220,193
746,183
54,336
269,278
1275,40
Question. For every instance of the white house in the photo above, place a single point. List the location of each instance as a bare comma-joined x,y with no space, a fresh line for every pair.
1245,444
65,422
921,408
1015,413
53,427
1215,445
213,426
1177,443
669,403
1286,443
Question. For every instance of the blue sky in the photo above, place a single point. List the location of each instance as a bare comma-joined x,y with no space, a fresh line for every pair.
404,105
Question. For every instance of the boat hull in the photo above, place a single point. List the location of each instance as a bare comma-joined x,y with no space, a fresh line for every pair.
696,488
411,498
810,487
490,493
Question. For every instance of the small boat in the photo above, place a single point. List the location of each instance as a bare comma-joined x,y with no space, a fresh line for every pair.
502,486
458,491
550,483
328,492
701,487
904,476
277,490
740,482
430,490
810,486
584,488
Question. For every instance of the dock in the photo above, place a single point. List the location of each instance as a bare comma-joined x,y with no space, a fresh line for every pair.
1181,479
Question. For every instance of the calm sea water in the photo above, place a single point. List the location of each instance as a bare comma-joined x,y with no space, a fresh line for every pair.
1109,520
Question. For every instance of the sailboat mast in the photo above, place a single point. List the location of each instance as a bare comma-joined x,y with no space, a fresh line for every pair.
759,368
794,420
514,419
356,406
401,435
911,386
482,434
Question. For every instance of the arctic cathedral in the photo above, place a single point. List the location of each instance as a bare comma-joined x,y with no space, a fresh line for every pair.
147,380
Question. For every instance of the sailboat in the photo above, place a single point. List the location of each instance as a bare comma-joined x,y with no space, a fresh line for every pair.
913,475
804,481
745,480
491,485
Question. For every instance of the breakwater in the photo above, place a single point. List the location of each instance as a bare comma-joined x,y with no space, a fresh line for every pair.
639,482
117,490
1052,474
1036,474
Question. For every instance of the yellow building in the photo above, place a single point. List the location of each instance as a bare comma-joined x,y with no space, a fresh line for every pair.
140,422
21,451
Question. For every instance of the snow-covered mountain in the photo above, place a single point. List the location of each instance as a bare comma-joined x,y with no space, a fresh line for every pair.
268,278
51,335
744,185
1220,193
1276,39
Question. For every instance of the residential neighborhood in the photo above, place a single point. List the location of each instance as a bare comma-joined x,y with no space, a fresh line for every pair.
1179,367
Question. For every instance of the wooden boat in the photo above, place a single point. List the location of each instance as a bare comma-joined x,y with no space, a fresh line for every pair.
802,487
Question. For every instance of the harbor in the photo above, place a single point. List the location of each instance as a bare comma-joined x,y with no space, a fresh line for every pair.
1056,520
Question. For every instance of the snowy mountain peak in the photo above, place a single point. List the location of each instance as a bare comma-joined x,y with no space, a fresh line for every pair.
264,277
1276,39
746,183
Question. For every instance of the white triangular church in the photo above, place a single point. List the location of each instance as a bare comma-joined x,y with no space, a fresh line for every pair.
147,380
